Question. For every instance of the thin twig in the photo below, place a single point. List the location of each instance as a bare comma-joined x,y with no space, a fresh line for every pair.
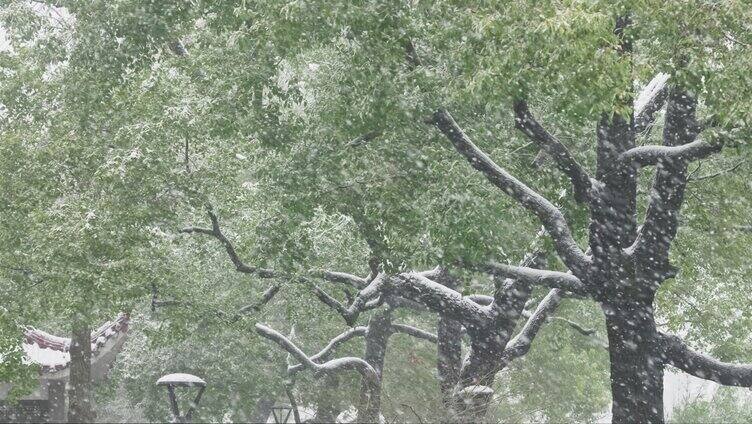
691,178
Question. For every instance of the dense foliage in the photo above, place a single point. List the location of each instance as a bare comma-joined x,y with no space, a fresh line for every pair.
302,125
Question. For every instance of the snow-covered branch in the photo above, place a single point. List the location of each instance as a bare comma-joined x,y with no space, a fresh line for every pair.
526,122
368,411
667,193
653,154
333,344
553,279
511,294
434,274
331,366
520,344
551,217
480,299
438,298
341,277
650,100
678,354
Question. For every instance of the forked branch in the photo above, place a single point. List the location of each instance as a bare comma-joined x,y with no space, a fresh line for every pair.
369,297
240,266
329,348
367,412
439,298
216,232
520,344
551,217
526,122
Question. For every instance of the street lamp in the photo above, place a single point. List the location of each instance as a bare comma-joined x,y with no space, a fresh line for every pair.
281,413
182,380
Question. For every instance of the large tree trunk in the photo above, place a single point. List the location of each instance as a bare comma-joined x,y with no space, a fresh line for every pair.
448,352
449,359
636,369
377,338
80,406
478,369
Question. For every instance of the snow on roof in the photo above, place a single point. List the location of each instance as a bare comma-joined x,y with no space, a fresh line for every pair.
46,357
52,352
181,379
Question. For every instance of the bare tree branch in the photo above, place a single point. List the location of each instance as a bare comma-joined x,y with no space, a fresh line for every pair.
692,178
216,232
240,266
415,332
265,298
365,138
411,54
551,217
526,122
368,298
678,354
576,326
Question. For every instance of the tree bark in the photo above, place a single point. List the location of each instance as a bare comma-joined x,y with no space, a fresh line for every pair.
449,359
80,406
479,369
448,351
636,367
377,339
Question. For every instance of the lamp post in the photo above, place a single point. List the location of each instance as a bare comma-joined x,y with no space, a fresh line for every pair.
182,380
